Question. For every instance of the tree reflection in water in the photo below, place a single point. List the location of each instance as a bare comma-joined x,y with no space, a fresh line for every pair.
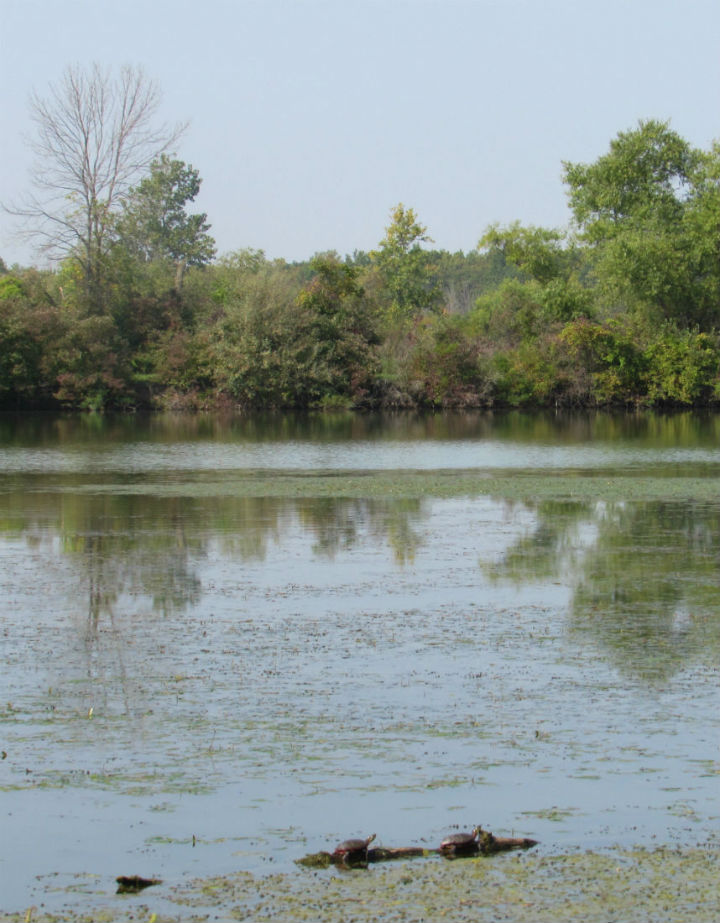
152,546
645,577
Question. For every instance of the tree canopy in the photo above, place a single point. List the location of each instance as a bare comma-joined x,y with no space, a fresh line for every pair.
406,268
155,225
638,210
621,307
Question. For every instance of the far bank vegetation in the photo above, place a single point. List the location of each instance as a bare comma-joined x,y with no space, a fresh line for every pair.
621,307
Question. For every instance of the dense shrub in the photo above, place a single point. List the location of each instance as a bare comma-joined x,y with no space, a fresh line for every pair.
683,367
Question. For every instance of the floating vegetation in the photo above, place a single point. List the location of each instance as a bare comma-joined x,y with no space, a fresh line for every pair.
553,813
632,886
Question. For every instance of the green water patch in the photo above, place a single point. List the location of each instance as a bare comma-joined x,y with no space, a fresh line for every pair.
699,481
554,813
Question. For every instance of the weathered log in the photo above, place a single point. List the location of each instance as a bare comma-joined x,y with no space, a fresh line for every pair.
488,845
387,854
376,854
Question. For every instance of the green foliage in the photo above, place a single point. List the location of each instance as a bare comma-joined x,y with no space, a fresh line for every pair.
514,312
647,210
701,224
530,373
341,328
93,375
10,288
173,370
275,345
443,362
551,268
27,331
155,225
259,347
536,252
646,174
566,299
623,313
683,367
30,327
609,359
231,270
406,269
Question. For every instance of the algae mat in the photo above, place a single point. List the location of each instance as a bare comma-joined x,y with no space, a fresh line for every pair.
658,886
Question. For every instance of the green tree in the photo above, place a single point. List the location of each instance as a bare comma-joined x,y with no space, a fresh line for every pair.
30,325
341,329
259,347
92,363
536,252
155,225
406,269
702,225
631,207
442,366
553,268
683,367
646,173
606,360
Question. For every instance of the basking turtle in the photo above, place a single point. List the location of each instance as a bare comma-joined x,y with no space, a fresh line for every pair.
350,851
461,844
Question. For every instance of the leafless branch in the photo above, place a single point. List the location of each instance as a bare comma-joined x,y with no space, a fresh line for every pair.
95,136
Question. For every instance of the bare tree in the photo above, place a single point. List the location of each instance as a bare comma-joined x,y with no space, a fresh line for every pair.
95,136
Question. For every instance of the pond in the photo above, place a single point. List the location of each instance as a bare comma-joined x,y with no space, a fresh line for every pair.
228,642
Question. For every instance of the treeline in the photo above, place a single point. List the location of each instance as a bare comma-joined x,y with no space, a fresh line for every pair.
621,307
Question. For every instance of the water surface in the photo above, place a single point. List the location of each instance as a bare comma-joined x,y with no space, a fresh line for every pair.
229,642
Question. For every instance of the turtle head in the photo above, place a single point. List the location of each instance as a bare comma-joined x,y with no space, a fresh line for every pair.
369,840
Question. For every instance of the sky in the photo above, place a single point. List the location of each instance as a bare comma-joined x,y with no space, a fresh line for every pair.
310,119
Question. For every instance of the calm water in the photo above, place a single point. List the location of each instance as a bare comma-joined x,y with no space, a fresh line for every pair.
200,676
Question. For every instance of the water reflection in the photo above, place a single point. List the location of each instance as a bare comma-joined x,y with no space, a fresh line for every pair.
338,525
141,545
327,651
645,577
650,430
137,504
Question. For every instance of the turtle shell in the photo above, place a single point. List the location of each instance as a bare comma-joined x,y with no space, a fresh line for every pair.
353,847
456,842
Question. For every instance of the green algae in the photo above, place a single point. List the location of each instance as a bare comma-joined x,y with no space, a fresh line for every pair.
698,482
553,814
632,886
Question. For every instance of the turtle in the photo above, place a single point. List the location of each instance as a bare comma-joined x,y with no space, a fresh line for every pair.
355,850
461,844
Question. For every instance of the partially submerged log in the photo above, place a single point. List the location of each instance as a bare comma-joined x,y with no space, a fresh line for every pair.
323,860
387,854
488,845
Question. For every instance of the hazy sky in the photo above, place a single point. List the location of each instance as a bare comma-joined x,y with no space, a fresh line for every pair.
310,119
